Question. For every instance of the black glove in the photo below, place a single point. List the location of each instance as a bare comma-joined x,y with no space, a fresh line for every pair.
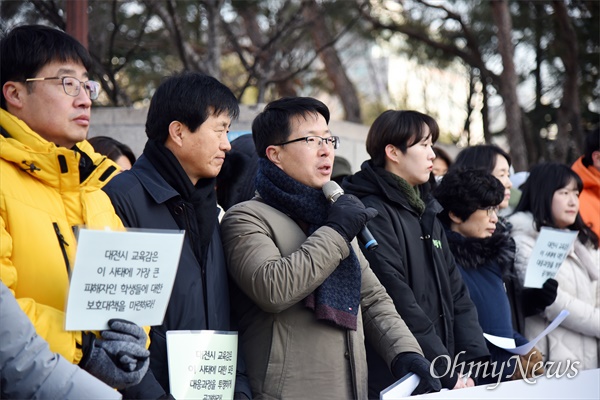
536,300
119,359
419,365
348,216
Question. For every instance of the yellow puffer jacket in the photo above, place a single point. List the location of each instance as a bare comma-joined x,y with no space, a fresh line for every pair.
41,201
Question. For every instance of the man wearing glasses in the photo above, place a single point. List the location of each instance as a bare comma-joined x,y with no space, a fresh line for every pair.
51,182
305,296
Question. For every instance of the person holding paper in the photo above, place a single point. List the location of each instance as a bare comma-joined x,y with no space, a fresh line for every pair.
484,255
305,296
551,199
413,261
51,184
172,186
523,302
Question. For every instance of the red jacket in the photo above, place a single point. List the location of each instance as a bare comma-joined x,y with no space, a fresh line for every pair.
589,199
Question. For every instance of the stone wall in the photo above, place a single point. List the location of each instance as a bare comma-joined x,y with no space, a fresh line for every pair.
127,126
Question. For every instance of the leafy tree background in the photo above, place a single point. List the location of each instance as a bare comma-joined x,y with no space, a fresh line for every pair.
537,60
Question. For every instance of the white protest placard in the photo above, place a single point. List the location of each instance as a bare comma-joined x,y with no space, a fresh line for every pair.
509,344
402,388
125,274
202,364
548,254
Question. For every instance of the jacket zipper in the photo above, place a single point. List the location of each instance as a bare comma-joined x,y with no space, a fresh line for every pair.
62,242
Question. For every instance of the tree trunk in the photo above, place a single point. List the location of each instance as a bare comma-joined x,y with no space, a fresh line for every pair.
568,118
322,38
213,9
508,88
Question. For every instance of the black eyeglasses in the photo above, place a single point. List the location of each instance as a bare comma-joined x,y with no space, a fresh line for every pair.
72,86
315,142
492,210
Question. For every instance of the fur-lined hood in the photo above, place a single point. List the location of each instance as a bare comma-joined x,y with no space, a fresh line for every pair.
474,253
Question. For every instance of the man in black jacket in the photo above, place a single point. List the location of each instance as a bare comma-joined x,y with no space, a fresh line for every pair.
413,260
172,186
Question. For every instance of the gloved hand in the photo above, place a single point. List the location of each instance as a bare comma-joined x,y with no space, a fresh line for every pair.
531,364
348,216
419,365
120,358
536,300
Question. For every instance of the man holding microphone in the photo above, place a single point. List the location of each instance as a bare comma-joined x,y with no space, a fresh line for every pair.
306,297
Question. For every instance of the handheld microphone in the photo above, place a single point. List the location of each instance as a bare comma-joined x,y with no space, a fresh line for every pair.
332,192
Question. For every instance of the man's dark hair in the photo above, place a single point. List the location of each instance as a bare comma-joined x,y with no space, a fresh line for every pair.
482,156
26,49
537,193
592,144
464,191
274,124
190,98
401,129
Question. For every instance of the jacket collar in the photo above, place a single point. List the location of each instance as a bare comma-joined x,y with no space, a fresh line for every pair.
56,166
152,181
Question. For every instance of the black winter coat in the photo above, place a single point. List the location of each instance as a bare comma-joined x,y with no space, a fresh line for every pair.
415,265
200,296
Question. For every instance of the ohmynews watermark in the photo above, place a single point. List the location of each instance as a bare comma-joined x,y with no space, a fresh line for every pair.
548,369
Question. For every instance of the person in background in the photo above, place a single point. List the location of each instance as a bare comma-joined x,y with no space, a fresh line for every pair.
588,168
551,199
524,302
517,179
172,186
31,370
413,261
483,254
235,182
306,297
51,183
119,152
441,163
341,169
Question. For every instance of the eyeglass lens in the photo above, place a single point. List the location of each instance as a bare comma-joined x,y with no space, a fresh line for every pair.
317,141
72,87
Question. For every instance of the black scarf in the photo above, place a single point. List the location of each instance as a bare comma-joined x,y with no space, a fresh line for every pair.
338,297
201,196
475,252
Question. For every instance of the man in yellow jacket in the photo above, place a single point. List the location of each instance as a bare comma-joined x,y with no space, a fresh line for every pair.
51,182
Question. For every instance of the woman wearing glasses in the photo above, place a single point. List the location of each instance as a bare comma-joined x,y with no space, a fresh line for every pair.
413,260
484,255
523,302
551,199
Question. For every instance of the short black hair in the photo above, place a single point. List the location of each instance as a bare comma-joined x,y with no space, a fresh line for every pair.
26,49
273,124
464,191
402,129
111,148
235,182
443,155
482,156
190,98
537,193
592,144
